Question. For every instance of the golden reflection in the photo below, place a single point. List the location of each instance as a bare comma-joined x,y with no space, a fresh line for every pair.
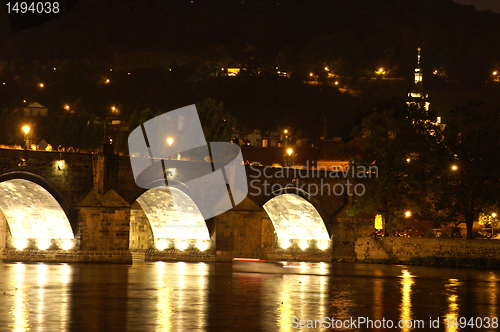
406,312
285,307
164,305
181,296
65,298
323,294
493,291
201,303
19,310
42,280
453,306
378,295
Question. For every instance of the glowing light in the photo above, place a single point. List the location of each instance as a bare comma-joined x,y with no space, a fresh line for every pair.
495,73
294,218
60,164
20,244
405,309
285,131
285,243
170,141
181,245
179,220
233,71
22,200
41,85
378,222
408,160
408,214
26,130
494,215
336,82
114,109
162,244
66,107
311,74
43,244
322,244
289,151
106,81
303,244
326,68
202,245
67,244
454,168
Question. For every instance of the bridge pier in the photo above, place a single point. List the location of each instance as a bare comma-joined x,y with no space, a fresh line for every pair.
239,232
104,224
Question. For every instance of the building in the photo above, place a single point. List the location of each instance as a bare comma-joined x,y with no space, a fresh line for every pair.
35,109
419,96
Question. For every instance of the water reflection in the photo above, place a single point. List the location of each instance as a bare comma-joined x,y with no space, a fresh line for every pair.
452,314
19,308
406,314
36,296
493,294
173,296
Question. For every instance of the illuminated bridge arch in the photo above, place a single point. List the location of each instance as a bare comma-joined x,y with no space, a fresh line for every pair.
31,216
178,224
297,222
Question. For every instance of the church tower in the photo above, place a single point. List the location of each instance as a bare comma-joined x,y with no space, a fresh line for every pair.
418,96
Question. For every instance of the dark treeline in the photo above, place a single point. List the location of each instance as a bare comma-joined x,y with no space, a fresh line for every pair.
350,36
167,54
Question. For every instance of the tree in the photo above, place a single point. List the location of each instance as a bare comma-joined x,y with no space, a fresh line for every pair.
216,123
466,169
398,141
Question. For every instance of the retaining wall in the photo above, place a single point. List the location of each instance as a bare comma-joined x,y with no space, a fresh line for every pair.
402,249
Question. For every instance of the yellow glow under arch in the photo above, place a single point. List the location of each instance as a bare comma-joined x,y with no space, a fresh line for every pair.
169,219
294,218
32,212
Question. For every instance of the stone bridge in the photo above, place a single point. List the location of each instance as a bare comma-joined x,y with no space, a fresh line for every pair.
76,207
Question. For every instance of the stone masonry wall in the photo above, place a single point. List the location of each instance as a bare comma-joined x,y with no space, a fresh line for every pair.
402,249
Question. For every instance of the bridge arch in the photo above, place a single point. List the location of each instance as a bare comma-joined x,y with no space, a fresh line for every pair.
296,220
157,221
32,214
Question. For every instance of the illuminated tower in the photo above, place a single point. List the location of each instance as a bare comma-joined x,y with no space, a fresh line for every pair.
418,96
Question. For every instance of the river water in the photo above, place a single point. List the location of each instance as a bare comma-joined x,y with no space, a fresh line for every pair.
179,296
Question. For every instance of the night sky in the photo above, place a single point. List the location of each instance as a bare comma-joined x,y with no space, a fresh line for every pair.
167,54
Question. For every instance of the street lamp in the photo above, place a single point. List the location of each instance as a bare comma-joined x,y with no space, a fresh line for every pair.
289,157
26,129
408,214
454,168
170,141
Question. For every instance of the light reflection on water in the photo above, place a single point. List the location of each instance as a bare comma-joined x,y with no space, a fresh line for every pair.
173,296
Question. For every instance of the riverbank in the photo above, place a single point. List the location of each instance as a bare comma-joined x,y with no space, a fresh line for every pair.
429,251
